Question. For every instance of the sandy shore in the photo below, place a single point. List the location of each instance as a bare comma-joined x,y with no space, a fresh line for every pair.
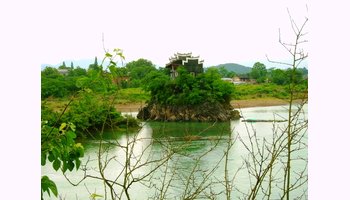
134,107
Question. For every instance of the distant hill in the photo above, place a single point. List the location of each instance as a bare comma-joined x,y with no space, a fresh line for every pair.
237,68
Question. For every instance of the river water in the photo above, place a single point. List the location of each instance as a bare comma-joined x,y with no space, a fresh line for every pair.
197,164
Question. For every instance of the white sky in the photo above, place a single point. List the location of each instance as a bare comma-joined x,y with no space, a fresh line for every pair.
218,31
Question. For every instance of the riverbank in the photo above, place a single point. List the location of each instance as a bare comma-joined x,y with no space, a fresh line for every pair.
246,103
58,105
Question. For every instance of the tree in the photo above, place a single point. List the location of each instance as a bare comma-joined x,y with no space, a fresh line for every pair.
259,72
224,73
295,127
78,72
138,69
50,72
58,144
94,66
294,76
63,66
278,76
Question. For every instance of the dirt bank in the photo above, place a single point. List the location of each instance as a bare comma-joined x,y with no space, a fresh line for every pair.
258,103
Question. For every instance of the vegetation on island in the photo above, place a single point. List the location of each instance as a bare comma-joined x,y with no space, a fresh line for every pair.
204,97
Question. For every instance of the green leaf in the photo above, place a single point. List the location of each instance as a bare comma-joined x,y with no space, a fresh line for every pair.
94,195
72,126
63,125
64,166
56,164
71,135
77,163
43,159
70,165
80,149
47,185
82,82
55,152
108,55
51,157
116,50
113,63
121,55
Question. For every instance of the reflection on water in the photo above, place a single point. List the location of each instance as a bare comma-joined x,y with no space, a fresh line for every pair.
188,142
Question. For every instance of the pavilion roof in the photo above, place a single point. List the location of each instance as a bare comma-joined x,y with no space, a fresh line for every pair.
184,57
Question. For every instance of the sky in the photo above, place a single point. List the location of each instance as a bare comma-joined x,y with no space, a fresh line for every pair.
242,32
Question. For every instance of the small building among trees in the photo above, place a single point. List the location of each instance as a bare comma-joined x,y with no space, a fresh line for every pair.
191,63
64,72
242,78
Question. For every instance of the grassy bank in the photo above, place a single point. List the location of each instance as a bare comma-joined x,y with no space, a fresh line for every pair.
129,96
268,90
131,99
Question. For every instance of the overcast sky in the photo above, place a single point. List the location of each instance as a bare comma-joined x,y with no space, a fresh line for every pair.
218,31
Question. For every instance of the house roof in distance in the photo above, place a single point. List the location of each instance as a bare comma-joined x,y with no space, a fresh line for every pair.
184,57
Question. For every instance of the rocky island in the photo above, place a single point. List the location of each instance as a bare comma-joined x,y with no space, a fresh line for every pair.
185,93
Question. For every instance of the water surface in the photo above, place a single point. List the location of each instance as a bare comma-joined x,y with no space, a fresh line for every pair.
189,141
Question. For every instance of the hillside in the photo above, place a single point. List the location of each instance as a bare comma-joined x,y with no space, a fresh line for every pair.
237,68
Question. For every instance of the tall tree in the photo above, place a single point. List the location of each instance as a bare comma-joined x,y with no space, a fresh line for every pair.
259,72
63,66
138,70
278,76
94,66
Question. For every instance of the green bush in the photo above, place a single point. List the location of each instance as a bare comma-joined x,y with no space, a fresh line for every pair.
186,89
88,112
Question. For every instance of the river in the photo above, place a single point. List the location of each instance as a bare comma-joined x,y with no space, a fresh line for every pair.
197,163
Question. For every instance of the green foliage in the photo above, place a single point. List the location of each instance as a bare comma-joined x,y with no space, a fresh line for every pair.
278,76
288,76
77,72
186,89
94,196
56,87
48,185
53,84
58,147
48,114
97,81
137,70
94,66
155,82
294,76
63,66
89,112
266,90
132,95
224,73
50,72
259,72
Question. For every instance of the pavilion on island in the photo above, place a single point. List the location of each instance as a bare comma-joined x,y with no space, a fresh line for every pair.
192,64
